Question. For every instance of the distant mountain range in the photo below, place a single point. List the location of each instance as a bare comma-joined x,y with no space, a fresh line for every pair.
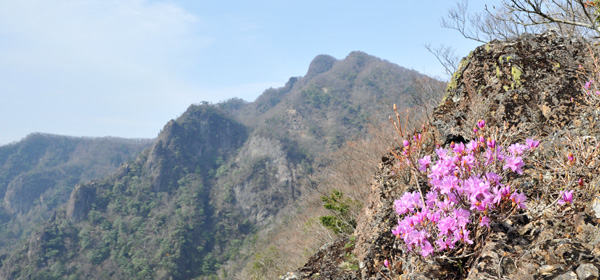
38,173
196,197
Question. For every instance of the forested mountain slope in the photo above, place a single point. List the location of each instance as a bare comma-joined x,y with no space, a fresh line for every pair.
38,173
215,177
534,100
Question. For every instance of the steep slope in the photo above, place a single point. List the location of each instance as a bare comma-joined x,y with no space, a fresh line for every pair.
296,127
336,99
150,219
38,173
216,177
525,87
293,127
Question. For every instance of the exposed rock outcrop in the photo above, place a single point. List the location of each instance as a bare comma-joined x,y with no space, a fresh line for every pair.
530,82
530,86
270,182
321,63
80,202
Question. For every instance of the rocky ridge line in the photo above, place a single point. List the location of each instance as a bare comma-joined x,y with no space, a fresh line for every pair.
529,84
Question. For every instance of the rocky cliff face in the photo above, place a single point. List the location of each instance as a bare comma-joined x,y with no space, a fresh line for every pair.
217,177
42,169
527,87
270,182
531,82
80,202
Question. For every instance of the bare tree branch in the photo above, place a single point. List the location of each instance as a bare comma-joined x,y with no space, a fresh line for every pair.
446,56
512,18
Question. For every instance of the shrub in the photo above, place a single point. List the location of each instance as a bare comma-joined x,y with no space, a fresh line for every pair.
589,78
342,221
466,190
454,194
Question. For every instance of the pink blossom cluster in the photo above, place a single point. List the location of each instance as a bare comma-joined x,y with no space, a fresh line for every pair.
588,85
466,191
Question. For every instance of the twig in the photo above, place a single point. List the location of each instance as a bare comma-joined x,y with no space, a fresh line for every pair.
375,266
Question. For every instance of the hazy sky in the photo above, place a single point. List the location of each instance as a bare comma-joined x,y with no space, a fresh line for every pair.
126,67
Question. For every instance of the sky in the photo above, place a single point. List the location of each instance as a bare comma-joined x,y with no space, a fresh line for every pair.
126,67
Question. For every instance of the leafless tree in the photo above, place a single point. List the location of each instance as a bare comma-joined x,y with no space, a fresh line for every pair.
514,17
511,18
446,55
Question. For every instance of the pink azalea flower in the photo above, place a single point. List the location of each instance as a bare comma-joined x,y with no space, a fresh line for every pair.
458,148
516,149
434,216
566,197
461,176
515,164
469,160
532,143
441,244
426,249
424,163
465,237
462,235
441,152
519,200
447,225
397,230
439,170
448,184
481,123
484,221
491,143
494,178
472,146
500,193
430,199
462,217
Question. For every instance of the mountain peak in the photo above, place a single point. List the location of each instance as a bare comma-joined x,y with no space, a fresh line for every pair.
320,64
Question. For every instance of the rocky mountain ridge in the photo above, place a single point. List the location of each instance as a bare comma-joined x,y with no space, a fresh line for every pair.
38,173
527,87
191,206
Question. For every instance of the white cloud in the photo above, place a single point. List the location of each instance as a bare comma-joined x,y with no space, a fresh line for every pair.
120,38
96,58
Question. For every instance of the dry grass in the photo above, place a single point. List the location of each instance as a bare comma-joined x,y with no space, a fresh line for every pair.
588,75
350,170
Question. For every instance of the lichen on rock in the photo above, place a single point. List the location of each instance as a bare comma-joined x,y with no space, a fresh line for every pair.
528,86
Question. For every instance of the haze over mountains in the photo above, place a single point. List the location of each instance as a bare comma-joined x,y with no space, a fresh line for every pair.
38,173
193,202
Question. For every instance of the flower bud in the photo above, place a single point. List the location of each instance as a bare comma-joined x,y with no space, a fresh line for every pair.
481,123
491,143
406,143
